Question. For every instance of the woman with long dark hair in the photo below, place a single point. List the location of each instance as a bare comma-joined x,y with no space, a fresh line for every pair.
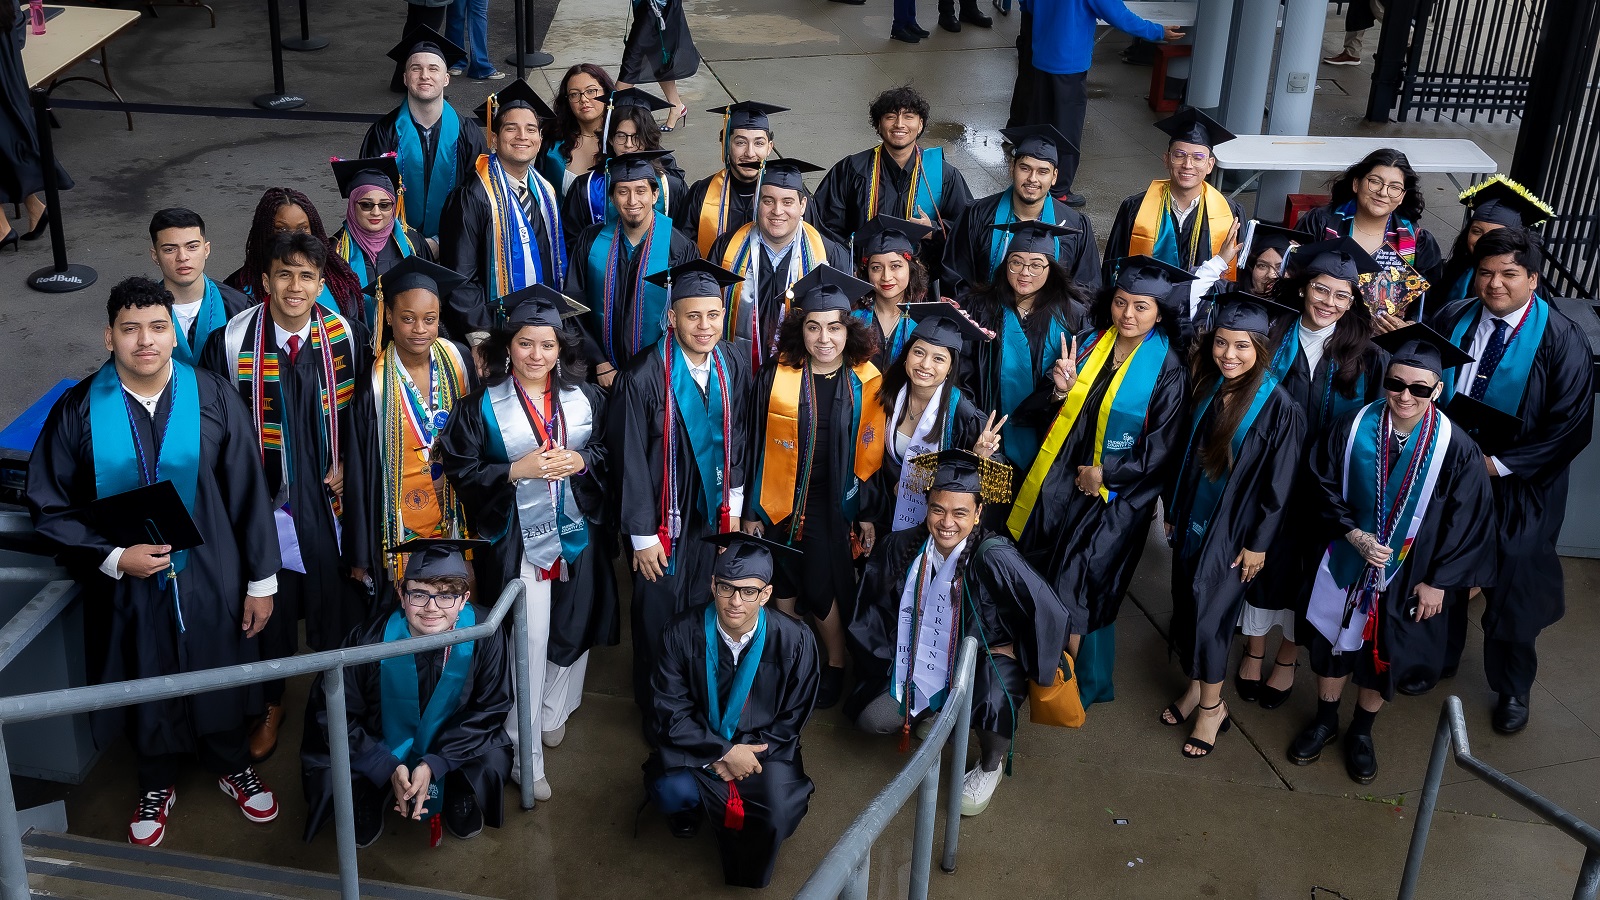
1227,504
632,129
817,437
373,238
1085,506
525,456
287,211
887,252
1326,361
575,144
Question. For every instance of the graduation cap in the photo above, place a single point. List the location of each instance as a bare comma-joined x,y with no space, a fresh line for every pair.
888,234
634,166
516,95
1034,236
827,289
637,97
1146,276
378,171
1191,126
1038,141
746,114
748,556
962,471
415,273
1492,428
152,514
1242,311
1420,346
423,39
437,557
1272,237
539,304
1505,202
787,173
1341,257
696,278
944,324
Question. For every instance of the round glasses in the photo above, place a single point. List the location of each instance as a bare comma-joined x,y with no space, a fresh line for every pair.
1341,299
419,599
1015,264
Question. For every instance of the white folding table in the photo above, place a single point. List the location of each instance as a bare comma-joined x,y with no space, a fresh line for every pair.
1258,153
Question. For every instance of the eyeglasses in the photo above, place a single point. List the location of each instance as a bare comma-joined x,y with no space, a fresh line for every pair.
1326,294
1198,157
1015,264
625,138
419,599
1395,386
726,591
1380,187
593,93
370,205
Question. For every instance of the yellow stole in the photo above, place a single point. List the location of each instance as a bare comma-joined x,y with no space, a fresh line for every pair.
707,229
1153,208
730,261
780,457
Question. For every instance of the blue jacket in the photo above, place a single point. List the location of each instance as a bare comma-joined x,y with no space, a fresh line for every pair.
1063,31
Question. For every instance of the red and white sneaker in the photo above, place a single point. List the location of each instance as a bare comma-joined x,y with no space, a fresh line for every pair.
254,798
149,823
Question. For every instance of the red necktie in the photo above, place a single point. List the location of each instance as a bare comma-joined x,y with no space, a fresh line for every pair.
294,347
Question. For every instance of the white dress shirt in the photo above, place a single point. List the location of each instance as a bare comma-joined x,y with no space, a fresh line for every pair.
186,313
1480,343
737,645
284,334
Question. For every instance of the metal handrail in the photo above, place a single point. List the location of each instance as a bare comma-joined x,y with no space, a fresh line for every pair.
36,614
49,704
843,872
1451,740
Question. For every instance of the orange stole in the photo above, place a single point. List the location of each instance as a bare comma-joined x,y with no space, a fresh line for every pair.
1147,223
780,457
706,232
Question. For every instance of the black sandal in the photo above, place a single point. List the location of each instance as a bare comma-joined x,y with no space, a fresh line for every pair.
1271,697
1177,715
1194,743
1249,689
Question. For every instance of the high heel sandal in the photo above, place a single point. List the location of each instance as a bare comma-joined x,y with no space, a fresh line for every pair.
1271,697
10,240
1178,718
39,228
683,116
1194,743
1249,689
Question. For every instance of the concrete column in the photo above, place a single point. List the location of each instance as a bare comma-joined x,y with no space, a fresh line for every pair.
1212,29
1251,64
1293,93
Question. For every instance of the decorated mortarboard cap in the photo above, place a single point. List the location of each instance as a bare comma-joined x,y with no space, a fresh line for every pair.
1420,346
539,304
1341,257
516,95
1191,126
696,278
1504,202
788,173
962,471
888,234
415,273
378,171
1146,276
944,324
1038,141
748,556
748,114
634,166
1241,311
638,97
827,289
437,557
1492,428
1034,236
423,39
1273,237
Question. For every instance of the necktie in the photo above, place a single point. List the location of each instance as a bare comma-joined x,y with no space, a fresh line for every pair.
1490,361
294,347
525,200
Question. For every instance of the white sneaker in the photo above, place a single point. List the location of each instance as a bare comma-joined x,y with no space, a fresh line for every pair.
554,737
977,788
541,790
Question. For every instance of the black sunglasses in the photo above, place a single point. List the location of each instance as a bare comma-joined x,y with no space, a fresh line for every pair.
1396,386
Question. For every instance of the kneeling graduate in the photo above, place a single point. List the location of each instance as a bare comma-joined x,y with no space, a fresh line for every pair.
425,728
732,688
968,581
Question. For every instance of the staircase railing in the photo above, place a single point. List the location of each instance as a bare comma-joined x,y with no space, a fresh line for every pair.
1451,740
71,701
844,871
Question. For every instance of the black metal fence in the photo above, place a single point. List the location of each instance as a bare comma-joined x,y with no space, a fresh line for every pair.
1457,57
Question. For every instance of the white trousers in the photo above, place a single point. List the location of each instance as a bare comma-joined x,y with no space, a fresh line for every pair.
557,690
1256,622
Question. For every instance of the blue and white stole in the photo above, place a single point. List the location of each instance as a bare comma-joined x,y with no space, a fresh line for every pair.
607,267
409,728
424,216
1509,381
925,637
515,259
1198,495
213,315
1000,241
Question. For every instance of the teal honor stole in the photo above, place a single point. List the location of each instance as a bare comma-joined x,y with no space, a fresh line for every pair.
409,728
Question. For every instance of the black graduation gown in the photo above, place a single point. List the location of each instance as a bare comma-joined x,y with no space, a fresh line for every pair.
688,206
842,197
1453,551
1326,223
780,701
583,609
381,138
635,436
472,744
325,596
234,516
658,49
466,246
1207,594
1557,415
967,252
1122,234
682,250
577,214
21,170
879,494
1087,548
233,303
1006,602
774,275
1291,567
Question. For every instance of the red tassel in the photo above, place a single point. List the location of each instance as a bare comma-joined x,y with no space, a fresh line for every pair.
724,519
1369,634
733,817
435,830
905,737
666,540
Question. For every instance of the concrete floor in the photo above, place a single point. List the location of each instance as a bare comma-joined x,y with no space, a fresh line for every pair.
1241,824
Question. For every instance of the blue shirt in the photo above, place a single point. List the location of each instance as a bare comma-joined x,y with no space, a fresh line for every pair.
1063,31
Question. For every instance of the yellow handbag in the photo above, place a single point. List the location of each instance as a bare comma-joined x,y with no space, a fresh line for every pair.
1059,704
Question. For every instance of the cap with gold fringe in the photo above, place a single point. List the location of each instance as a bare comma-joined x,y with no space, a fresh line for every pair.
962,471
1502,201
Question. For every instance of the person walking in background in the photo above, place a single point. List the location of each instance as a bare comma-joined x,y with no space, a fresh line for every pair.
419,14
469,27
660,49
21,173
1363,14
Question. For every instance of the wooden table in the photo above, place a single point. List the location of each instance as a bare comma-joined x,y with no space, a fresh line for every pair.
1311,153
78,33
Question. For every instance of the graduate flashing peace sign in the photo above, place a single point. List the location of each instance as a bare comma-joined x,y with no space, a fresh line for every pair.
1065,371
988,441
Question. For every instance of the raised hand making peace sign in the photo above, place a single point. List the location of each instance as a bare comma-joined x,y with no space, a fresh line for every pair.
1065,372
989,439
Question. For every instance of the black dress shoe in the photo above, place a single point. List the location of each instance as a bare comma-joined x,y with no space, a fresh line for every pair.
1360,758
950,23
1449,671
1416,685
973,16
462,817
1249,689
1076,201
896,33
369,809
831,687
1510,714
1307,746
918,30
685,824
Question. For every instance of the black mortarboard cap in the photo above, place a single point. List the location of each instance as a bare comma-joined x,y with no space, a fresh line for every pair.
638,97
1147,276
423,39
1341,257
437,557
517,95
153,514
962,471
539,304
748,114
1420,346
1191,126
1034,236
748,556
381,171
1505,202
1273,237
1493,429
826,288
634,166
1039,141
1241,311
788,173
696,278
888,234
945,324
414,272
